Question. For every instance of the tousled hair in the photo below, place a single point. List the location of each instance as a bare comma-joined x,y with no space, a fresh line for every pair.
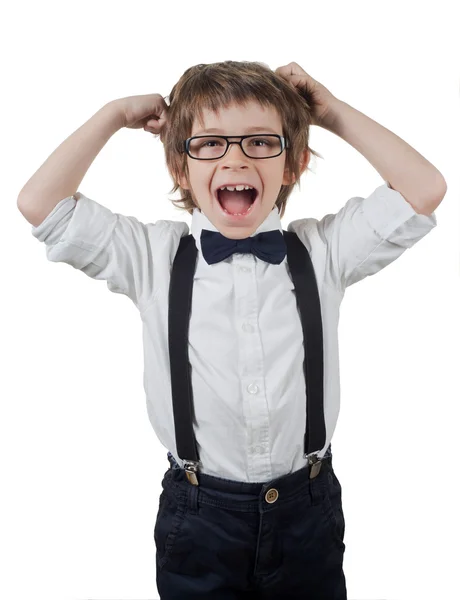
217,85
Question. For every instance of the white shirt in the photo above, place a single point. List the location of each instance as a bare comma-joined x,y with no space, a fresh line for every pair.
245,338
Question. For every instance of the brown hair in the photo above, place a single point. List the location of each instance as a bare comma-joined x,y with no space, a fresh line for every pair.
217,85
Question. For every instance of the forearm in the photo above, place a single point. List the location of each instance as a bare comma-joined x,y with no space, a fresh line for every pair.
62,172
407,171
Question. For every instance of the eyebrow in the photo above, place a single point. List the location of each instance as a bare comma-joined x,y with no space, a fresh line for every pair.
249,129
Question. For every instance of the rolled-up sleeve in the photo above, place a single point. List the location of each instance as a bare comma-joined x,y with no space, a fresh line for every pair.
105,245
367,234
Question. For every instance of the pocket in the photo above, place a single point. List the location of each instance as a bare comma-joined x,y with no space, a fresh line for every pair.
332,508
170,517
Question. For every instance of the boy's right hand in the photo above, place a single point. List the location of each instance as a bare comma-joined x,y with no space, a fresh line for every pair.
148,111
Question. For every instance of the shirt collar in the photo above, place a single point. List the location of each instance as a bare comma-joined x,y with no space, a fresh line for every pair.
200,221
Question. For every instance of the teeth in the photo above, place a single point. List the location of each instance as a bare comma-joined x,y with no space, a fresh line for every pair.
238,188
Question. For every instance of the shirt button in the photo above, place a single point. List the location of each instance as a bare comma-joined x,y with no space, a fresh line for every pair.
247,327
245,269
252,388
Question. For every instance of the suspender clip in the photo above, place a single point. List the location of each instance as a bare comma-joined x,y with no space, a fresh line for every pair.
191,469
315,464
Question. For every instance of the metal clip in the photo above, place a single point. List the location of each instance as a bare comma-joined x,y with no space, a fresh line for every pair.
315,464
191,469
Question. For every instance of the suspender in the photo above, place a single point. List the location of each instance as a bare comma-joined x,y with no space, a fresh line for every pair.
308,304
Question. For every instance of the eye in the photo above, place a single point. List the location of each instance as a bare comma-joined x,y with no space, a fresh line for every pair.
263,140
213,141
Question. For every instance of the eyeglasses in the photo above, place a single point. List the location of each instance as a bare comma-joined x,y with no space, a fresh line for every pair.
211,147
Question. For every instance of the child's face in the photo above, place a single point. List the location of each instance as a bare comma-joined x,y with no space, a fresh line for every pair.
267,175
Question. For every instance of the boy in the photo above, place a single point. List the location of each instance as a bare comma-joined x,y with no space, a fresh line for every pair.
234,315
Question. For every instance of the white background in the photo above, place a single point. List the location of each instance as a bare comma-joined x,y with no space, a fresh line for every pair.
81,467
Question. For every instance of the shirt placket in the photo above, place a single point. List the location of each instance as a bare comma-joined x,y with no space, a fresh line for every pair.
251,367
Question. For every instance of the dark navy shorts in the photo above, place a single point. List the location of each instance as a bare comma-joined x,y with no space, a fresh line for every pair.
229,540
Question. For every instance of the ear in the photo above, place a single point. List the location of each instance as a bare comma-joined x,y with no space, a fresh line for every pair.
304,160
183,182
186,186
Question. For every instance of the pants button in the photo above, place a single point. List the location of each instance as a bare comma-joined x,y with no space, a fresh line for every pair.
271,496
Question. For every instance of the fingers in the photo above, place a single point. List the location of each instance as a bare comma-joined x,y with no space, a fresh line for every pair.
286,74
291,69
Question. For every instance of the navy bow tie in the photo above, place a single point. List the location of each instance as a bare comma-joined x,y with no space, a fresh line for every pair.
268,246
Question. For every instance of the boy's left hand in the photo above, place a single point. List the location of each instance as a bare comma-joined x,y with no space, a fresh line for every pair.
318,97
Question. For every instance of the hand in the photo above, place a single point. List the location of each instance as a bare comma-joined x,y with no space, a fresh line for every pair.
319,98
148,111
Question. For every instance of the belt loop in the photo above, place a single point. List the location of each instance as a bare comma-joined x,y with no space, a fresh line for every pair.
316,493
193,498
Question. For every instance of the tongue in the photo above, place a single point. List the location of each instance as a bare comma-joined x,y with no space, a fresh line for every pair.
235,202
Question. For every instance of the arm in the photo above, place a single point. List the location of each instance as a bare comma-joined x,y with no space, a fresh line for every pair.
407,171
62,172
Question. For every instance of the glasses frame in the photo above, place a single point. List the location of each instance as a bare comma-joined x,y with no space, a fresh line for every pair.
283,140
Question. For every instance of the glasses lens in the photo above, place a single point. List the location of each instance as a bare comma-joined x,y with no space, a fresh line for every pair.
256,146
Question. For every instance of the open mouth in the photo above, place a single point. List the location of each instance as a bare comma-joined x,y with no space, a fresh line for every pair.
237,204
